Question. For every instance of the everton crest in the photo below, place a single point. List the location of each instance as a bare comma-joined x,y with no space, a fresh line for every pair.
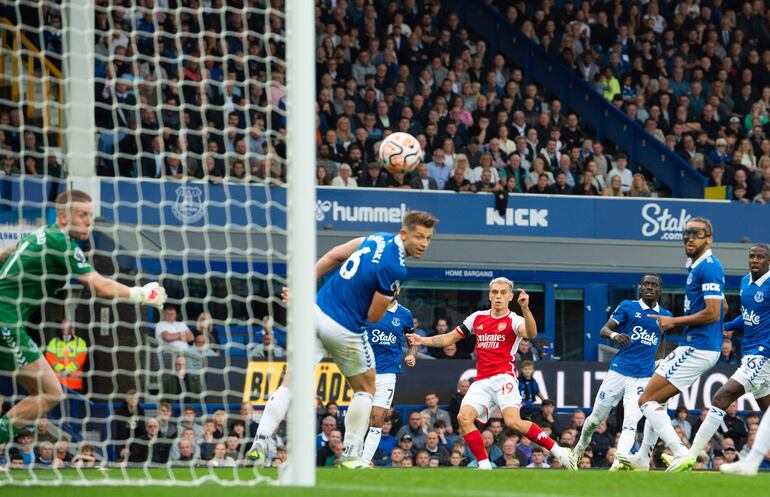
188,207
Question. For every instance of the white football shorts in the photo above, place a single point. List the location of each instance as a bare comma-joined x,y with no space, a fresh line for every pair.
686,364
385,385
754,375
500,391
617,387
350,351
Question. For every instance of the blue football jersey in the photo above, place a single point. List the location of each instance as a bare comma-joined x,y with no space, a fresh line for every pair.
705,281
377,266
637,359
386,337
755,316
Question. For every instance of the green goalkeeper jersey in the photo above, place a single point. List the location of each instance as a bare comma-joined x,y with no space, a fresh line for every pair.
41,265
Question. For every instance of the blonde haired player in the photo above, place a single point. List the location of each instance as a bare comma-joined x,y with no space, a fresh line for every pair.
498,332
40,264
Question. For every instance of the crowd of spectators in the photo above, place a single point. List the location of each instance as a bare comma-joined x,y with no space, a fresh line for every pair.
199,92
427,438
694,75
136,438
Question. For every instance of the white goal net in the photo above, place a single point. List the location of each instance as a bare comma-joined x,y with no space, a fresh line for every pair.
179,118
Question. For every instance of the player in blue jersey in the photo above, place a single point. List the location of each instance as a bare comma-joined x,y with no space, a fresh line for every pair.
387,340
367,274
753,375
700,346
639,337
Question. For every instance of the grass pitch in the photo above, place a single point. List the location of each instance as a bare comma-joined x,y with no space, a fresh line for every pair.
388,482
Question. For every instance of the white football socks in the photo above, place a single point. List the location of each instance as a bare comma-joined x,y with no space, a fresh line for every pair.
356,423
589,427
628,432
657,415
275,410
649,439
371,443
707,429
761,443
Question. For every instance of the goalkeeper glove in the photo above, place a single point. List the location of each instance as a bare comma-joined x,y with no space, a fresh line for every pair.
150,294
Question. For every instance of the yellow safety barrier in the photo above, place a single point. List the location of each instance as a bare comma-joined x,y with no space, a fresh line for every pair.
12,40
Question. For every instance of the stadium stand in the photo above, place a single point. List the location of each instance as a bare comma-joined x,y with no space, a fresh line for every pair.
682,73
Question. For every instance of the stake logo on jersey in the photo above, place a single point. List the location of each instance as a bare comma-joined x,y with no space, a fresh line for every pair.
387,338
377,266
637,359
755,316
497,342
705,281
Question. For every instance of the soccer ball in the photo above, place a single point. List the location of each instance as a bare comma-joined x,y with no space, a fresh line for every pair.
400,152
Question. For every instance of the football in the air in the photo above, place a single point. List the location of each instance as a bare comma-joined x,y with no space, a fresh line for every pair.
400,152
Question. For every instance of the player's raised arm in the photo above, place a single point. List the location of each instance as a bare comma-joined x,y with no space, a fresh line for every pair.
150,294
529,329
337,256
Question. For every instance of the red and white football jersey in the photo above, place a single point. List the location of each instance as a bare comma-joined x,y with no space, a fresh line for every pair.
497,342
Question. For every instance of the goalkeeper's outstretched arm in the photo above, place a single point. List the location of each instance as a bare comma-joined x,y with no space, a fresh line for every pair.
150,294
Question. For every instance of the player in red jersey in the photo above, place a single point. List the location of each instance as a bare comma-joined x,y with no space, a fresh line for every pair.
498,333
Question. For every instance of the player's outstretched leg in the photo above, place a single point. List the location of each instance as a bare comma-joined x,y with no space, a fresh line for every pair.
275,410
466,420
44,391
533,432
660,390
599,413
728,393
724,396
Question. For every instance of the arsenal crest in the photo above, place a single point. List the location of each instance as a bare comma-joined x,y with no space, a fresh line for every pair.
500,326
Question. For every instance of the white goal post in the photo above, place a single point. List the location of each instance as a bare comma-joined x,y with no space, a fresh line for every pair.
300,59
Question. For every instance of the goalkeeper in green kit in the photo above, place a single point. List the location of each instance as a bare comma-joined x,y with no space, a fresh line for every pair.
37,267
